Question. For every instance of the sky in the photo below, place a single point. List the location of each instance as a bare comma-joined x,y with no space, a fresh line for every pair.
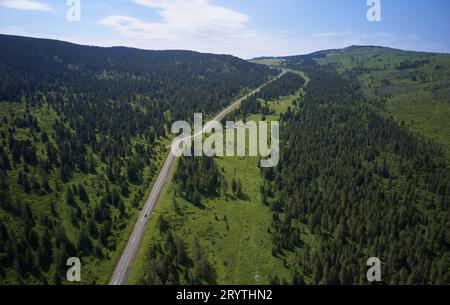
244,28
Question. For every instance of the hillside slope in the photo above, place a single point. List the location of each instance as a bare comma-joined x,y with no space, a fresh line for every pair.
365,183
82,136
414,87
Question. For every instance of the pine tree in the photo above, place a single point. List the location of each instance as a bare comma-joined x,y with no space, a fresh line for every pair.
82,194
70,198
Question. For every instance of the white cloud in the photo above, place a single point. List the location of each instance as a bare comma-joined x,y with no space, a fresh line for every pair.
180,18
196,16
202,26
137,29
329,34
192,24
26,5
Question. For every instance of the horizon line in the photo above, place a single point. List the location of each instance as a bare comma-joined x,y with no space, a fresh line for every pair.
225,54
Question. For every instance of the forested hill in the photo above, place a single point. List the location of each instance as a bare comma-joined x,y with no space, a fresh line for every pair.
414,87
365,166
183,80
81,131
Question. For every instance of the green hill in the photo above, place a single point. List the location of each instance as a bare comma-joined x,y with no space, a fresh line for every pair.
365,166
414,86
83,134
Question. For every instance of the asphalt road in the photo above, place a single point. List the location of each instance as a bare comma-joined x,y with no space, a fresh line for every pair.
120,274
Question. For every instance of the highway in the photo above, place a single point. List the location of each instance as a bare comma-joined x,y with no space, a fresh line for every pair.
122,269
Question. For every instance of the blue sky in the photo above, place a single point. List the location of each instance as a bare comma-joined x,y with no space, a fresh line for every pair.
245,28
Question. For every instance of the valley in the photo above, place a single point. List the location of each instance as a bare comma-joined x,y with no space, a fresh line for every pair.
363,167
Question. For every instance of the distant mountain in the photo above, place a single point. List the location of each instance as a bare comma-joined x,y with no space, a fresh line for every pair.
350,49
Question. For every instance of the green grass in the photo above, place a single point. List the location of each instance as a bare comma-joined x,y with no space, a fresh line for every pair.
268,62
428,118
233,232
